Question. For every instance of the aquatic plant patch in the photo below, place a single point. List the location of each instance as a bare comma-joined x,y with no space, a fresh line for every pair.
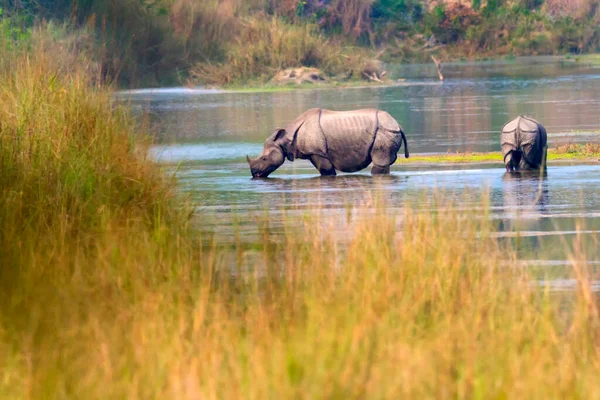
577,152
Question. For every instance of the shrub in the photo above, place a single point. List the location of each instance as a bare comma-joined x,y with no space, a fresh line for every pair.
531,4
491,7
408,10
567,35
451,24
538,43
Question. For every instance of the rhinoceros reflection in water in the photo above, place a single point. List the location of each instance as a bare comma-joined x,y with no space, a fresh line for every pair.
525,200
346,141
524,144
525,190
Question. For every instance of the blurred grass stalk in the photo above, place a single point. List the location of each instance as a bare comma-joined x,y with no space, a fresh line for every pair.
108,293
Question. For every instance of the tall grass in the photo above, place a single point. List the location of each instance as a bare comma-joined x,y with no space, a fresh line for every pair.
205,26
264,46
429,311
354,16
75,187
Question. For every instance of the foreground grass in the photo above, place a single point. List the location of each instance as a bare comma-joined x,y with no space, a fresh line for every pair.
429,313
106,293
575,152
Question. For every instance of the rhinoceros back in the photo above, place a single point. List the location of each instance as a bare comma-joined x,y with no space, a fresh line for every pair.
521,132
349,136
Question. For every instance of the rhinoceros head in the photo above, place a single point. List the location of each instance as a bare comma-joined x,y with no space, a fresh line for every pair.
271,157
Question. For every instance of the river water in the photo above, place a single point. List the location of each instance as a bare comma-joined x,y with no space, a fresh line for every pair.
207,134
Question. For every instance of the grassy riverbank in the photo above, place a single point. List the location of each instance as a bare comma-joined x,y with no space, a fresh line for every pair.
108,292
242,42
257,87
571,152
589,59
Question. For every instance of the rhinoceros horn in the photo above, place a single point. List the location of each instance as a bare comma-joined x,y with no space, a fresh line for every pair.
248,158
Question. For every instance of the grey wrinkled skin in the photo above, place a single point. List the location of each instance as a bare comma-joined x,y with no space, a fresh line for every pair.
346,141
524,144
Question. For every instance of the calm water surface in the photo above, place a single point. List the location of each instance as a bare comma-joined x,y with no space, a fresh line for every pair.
208,133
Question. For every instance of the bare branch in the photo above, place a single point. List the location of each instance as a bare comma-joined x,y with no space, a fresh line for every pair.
438,66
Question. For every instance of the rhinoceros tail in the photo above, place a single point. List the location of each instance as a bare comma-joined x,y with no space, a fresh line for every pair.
406,155
387,123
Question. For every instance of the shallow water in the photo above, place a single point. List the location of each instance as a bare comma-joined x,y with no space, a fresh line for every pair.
208,133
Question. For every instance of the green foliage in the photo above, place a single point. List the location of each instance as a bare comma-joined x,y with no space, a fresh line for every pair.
439,13
491,7
15,27
408,11
568,35
433,20
300,7
451,24
14,33
531,4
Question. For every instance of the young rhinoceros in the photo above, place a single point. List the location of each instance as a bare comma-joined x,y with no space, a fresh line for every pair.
347,141
524,146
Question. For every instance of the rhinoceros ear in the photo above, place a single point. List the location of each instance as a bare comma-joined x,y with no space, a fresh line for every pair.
279,134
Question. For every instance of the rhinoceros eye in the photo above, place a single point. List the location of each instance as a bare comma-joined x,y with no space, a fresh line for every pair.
264,158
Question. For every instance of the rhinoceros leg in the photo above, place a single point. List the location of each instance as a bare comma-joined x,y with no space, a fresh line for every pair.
323,165
524,165
508,162
376,170
514,161
545,157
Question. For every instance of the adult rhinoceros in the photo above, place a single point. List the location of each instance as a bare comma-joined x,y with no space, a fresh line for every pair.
524,144
346,141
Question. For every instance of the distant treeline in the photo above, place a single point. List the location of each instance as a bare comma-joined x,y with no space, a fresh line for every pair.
160,42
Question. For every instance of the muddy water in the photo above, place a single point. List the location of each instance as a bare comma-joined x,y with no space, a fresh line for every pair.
208,133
